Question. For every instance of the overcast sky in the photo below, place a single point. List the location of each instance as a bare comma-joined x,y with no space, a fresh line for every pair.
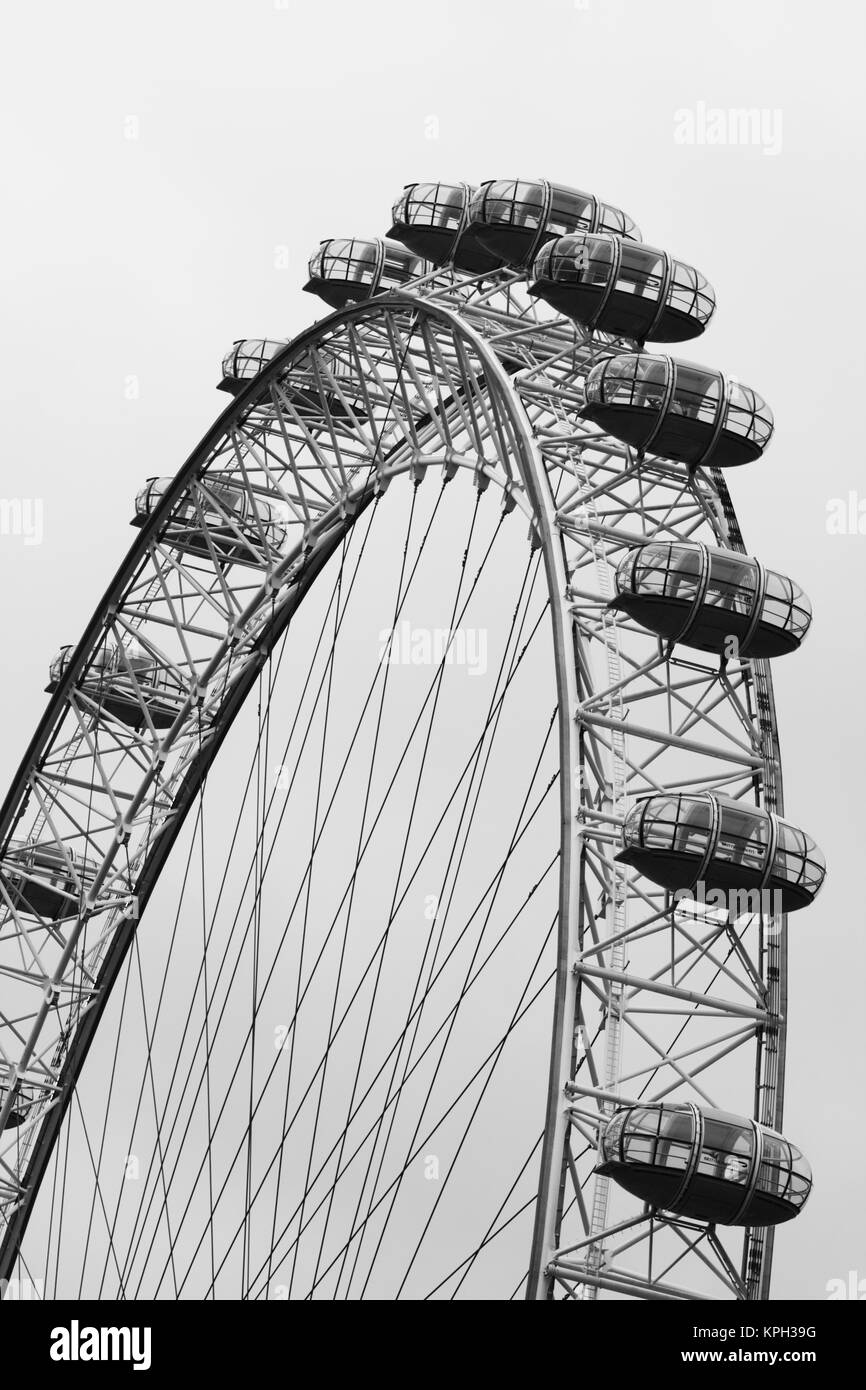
169,167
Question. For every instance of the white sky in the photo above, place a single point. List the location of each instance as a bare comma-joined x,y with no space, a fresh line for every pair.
263,126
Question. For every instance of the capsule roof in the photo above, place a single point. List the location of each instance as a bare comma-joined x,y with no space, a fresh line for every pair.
678,410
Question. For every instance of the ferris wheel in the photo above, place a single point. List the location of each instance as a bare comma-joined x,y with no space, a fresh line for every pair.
394,893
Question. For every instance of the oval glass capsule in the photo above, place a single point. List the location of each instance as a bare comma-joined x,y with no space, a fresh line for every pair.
678,410
625,288
223,516
128,683
44,880
513,218
705,1163
702,843
431,219
347,270
713,600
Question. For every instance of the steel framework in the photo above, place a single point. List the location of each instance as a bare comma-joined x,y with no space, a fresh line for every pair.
654,998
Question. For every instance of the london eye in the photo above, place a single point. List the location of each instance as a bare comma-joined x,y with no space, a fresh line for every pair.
394,894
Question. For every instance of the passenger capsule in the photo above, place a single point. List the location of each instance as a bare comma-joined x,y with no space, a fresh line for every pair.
706,1164
681,839
309,382
224,514
622,287
432,220
125,681
346,270
513,219
246,359
43,880
703,597
678,410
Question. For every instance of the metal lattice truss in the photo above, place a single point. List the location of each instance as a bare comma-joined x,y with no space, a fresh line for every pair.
654,999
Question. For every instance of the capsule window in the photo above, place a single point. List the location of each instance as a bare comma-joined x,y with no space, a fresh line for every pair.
346,259
799,1177
676,1130
398,265
641,1141
570,211
432,205
650,384
733,583
219,500
615,220
652,569
630,380
669,823
577,260
742,838
638,1146
697,393
515,204
690,292
797,858
775,1173
693,828
785,605
675,575
778,600
642,272
659,823
612,1136
727,1151
748,415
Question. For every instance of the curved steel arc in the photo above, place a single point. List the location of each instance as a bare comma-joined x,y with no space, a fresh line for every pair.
333,528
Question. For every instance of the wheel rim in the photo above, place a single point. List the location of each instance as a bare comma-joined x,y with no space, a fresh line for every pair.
442,345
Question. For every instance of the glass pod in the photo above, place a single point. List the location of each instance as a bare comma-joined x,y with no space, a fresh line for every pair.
706,1164
432,220
126,681
45,880
513,218
680,840
246,359
678,410
220,515
347,270
621,287
711,599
